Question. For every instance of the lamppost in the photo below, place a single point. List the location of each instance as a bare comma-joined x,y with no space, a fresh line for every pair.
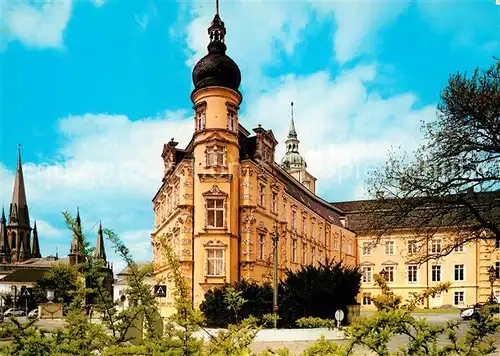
275,276
15,297
492,271
383,274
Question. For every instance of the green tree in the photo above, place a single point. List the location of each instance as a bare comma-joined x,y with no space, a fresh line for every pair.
61,278
453,178
317,291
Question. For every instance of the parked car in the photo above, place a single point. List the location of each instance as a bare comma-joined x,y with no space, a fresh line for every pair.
473,311
13,312
33,314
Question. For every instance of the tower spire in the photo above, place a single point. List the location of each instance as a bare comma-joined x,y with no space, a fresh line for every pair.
35,248
19,208
75,252
217,33
216,7
4,241
291,132
100,252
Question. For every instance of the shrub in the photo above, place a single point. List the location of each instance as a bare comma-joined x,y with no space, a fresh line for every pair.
317,292
259,302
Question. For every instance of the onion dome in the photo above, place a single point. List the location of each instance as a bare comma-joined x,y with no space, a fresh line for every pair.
216,68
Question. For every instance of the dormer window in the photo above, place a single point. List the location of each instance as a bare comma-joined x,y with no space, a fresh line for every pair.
215,156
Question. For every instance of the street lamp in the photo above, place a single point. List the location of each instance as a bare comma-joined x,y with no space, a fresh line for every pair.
50,295
383,274
275,276
492,271
15,297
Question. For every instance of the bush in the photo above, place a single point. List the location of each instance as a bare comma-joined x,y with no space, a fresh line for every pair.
259,302
317,292
310,292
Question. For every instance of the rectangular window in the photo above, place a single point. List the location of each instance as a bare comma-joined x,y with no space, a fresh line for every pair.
389,248
304,225
412,246
200,119
367,249
459,272
458,298
274,203
367,274
294,250
367,299
436,273
231,120
304,254
215,213
436,246
313,255
349,247
262,195
458,248
389,274
215,156
412,273
336,241
262,246
294,219
215,262
497,295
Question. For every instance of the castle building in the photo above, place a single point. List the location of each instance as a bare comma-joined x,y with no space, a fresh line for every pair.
21,261
466,267
223,198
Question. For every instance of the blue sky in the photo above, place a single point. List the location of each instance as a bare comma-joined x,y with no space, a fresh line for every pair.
92,89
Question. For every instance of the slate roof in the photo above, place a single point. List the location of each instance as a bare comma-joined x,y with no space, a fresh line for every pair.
25,275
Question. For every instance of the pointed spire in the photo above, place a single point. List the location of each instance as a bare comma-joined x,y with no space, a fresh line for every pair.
22,251
217,32
100,252
77,234
4,241
35,248
291,132
19,207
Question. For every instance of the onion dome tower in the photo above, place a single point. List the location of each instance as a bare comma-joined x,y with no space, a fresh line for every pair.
216,68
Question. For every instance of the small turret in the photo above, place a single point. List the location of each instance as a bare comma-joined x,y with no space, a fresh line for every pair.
35,247
4,240
100,252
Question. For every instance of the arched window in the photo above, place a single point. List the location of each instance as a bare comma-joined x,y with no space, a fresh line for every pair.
13,240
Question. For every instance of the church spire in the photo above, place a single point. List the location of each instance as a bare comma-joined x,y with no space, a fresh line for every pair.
217,32
100,252
4,241
75,252
35,248
292,159
19,208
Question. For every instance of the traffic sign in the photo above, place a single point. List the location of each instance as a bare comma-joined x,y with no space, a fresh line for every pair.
339,315
26,292
160,290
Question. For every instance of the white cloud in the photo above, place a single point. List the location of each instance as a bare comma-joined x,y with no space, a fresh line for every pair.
36,24
253,41
47,230
358,24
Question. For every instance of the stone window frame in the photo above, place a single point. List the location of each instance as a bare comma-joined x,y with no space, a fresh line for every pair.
371,267
304,224
390,267
215,193
336,241
261,245
294,218
436,245
413,243
313,255
455,294
390,251
304,253
215,245
295,244
366,298
211,146
200,115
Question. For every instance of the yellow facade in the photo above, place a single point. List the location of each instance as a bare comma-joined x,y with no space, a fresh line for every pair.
465,268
